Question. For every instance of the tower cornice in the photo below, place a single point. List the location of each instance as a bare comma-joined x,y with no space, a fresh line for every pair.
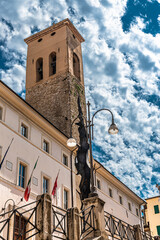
54,27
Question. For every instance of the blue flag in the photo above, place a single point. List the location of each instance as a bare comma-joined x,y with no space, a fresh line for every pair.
6,153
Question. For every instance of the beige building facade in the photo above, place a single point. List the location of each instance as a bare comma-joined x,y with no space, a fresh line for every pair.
33,136
152,216
120,201
40,127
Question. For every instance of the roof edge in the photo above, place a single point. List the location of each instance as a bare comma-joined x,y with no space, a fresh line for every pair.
142,200
152,197
56,26
33,109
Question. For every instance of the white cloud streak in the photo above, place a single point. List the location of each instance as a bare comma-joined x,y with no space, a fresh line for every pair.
121,72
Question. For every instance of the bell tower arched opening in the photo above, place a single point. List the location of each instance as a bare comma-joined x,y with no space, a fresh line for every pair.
52,64
76,66
39,69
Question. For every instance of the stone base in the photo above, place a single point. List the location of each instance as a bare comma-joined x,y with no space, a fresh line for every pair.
94,194
98,204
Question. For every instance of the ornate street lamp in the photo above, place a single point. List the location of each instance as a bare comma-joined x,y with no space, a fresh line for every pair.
71,142
89,124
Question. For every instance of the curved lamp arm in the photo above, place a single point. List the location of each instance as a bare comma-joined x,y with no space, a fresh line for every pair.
10,199
72,125
103,109
71,142
74,122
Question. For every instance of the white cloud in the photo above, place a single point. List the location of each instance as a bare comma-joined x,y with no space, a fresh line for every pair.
15,77
116,63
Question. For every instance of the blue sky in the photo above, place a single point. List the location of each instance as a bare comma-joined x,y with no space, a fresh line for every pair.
121,58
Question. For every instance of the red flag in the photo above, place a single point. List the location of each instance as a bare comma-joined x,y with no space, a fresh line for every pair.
28,190
55,185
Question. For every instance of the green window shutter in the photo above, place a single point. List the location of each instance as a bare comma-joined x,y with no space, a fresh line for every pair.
158,230
156,209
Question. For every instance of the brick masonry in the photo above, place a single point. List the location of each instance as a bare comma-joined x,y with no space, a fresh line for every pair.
56,99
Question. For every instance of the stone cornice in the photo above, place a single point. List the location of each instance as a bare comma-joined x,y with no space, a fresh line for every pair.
54,27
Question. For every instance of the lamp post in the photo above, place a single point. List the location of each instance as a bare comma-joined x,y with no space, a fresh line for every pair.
4,208
89,125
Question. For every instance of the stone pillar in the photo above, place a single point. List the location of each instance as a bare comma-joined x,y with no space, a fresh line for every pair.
43,216
138,234
99,222
73,224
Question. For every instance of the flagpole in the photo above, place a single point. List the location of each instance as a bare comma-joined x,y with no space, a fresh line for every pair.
34,166
33,169
6,153
28,188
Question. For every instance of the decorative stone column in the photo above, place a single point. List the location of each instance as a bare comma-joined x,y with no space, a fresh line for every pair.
43,216
73,224
99,222
138,234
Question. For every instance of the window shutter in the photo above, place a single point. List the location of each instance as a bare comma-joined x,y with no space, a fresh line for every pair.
156,209
158,230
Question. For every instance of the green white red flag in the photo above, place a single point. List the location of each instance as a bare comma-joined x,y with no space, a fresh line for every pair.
28,188
55,185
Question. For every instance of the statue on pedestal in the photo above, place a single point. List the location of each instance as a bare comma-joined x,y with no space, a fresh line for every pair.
81,158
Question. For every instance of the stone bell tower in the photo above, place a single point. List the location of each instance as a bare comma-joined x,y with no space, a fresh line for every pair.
54,75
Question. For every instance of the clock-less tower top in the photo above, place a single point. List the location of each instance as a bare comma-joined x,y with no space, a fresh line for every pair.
54,74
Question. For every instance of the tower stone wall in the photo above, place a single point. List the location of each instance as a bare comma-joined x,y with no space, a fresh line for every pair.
56,99
55,96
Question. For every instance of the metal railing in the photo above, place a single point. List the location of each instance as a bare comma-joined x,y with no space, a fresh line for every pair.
146,236
118,229
87,221
19,223
60,223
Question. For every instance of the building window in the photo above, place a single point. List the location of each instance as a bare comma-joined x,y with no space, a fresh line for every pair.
158,230
137,212
65,199
98,184
45,185
52,64
22,175
46,146
24,130
129,206
110,193
120,200
39,69
65,160
156,209
20,227
1,112
76,66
